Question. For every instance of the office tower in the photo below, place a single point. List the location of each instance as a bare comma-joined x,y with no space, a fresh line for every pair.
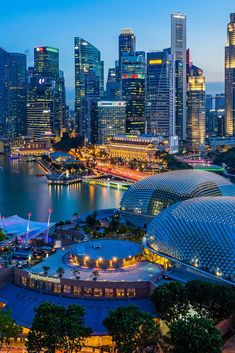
160,100
127,41
87,61
17,97
133,90
13,94
113,87
178,50
111,119
215,115
46,62
44,107
196,109
230,78
62,97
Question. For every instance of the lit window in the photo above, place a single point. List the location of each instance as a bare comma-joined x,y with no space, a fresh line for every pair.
57,288
24,280
67,289
131,292
109,292
77,290
120,292
87,291
98,292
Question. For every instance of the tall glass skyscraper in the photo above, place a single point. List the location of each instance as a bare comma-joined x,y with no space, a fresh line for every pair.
160,100
44,107
88,68
178,49
196,109
13,94
230,78
133,90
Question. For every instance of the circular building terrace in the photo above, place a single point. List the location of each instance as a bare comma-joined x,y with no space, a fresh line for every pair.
148,197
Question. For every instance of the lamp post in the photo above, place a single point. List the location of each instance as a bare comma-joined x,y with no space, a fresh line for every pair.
28,227
48,225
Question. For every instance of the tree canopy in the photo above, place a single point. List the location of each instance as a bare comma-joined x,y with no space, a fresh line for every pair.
8,328
194,335
57,328
209,300
132,330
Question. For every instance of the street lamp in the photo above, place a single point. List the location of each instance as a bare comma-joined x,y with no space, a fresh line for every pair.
48,225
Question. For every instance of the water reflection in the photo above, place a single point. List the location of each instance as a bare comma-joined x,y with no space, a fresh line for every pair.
22,191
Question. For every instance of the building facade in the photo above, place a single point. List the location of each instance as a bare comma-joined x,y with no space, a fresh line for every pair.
89,70
111,119
230,78
160,100
196,126
13,94
133,90
45,102
178,50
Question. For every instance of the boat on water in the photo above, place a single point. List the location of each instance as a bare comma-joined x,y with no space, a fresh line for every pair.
14,156
63,179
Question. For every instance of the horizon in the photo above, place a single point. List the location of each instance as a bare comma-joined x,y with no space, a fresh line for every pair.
56,25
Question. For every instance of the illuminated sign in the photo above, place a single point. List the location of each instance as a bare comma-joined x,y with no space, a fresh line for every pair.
44,278
41,81
111,104
133,76
155,62
40,49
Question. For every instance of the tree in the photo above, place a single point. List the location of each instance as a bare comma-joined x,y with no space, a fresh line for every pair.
170,301
57,328
60,271
75,331
2,235
8,328
45,269
132,330
47,329
195,335
211,300
76,273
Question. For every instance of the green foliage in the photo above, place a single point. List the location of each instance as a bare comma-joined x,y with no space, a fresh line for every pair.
45,269
60,271
2,235
57,328
91,219
209,300
8,328
132,330
170,301
173,164
227,157
66,143
195,335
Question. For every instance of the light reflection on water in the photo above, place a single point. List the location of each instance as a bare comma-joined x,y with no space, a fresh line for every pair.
22,191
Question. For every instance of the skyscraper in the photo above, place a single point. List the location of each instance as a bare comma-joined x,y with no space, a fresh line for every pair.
88,65
111,119
44,107
113,87
178,49
133,90
160,100
13,94
196,109
230,78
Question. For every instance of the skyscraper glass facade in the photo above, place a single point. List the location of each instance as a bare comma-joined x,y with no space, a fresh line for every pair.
230,78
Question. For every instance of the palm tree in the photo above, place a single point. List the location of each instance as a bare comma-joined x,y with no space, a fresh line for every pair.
45,270
60,271
76,273
95,274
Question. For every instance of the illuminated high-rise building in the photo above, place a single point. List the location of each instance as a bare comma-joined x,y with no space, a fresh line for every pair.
113,86
196,109
89,69
160,100
127,41
133,90
44,107
13,94
230,78
178,49
111,119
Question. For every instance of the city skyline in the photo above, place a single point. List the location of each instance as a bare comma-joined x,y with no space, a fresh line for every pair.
57,24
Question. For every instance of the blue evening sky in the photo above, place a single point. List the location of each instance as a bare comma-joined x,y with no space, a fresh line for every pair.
28,23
